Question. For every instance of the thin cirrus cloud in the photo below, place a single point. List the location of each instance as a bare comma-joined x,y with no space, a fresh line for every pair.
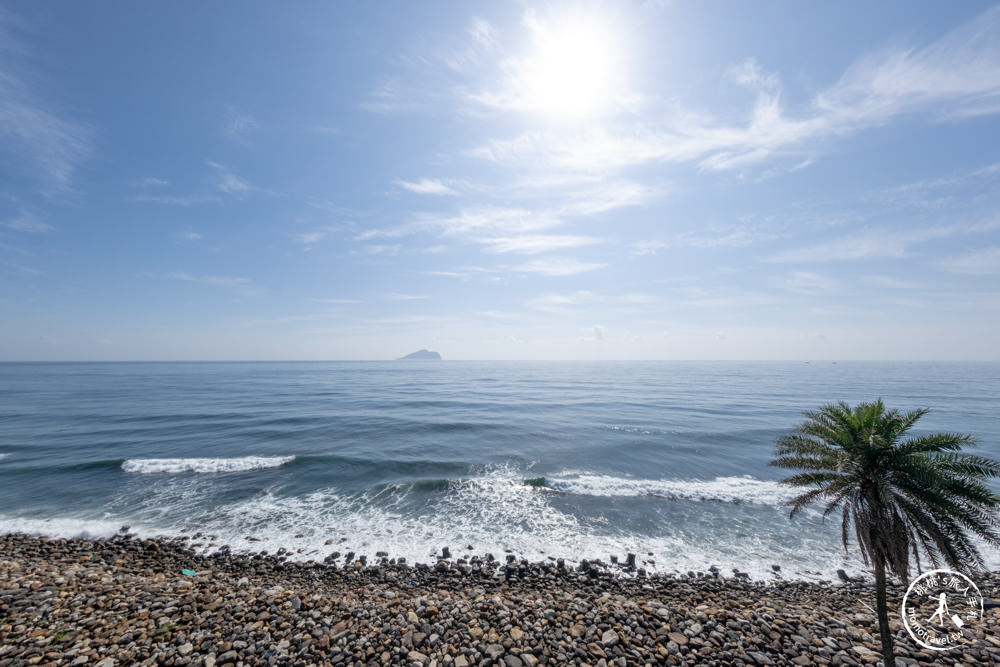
229,182
536,243
151,182
55,146
427,186
183,201
238,124
26,222
214,281
585,299
956,75
879,244
978,262
558,266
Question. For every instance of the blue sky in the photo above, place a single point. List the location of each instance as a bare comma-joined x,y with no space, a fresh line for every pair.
674,180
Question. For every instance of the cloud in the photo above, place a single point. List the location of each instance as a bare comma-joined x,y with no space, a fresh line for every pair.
53,144
20,268
26,222
393,97
978,262
427,186
406,297
648,247
750,75
536,243
229,182
175,200
151,182
238,124
558,266
878,244
191,236
309,238
337,301
596,336
214,281
958,75
482,33
807,282
490,220
561,303
961,69
889,282
383,249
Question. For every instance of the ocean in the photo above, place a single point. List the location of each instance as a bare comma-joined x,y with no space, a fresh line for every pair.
666,460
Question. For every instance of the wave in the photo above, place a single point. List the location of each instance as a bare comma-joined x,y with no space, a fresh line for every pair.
240,464
66,527
744,489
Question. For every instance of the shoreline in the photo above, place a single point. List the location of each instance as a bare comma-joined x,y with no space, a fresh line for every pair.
124,601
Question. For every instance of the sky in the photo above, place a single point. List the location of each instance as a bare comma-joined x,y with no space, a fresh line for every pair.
499,180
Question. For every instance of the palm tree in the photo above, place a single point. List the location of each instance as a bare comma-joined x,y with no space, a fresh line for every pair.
904,497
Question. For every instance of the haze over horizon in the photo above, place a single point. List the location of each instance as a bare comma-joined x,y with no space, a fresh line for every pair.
647,180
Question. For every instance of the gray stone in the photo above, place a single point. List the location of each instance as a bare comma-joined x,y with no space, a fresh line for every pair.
495,651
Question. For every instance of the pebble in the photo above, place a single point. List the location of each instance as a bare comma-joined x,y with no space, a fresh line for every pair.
124,601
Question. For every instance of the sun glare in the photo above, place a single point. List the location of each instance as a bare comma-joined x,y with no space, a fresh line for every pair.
574,69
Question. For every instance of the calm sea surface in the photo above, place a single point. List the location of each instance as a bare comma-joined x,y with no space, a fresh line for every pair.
665,459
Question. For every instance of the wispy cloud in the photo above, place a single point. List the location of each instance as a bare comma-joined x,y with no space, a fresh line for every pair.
957,75
151,182
647,247
584,299
175,200
879,243
337,301
215,281
978,262
489,220
889,282
393,296
307,239
31,130
383,248
391,96
533,244
229,182
427,186
558,266
808,282
597,335
238,124
26,222
190,236
21,268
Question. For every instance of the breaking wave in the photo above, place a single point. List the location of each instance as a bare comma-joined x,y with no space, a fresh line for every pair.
240,464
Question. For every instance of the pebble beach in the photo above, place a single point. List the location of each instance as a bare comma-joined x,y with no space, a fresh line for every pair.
128,601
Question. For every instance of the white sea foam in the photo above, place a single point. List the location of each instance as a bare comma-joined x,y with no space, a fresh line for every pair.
240,464
493,511
59,527
744,489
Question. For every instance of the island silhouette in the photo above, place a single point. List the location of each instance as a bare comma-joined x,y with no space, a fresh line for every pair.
421,354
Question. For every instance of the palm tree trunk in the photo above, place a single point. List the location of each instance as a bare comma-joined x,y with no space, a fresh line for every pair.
881,605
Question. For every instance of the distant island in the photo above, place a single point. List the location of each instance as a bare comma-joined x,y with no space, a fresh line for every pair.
421,354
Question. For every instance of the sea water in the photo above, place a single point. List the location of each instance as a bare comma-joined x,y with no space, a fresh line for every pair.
666,460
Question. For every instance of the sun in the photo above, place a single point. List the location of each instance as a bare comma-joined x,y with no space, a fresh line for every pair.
574,69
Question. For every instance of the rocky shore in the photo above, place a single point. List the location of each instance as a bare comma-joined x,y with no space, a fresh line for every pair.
126,601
